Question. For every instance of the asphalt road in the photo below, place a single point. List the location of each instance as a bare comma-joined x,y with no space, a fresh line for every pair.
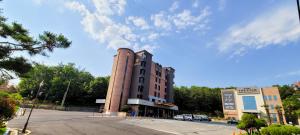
51,122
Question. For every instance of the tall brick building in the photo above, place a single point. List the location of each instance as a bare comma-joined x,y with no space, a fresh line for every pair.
142,85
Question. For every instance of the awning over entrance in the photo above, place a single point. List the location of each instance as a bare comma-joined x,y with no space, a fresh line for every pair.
251,111
149,103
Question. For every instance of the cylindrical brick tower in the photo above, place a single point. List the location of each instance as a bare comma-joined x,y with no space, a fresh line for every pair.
120,80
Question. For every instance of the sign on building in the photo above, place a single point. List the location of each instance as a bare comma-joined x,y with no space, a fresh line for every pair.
248,91
228,100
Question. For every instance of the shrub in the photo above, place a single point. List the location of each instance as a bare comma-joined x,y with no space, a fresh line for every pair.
249,122
2,131
7,109
277,129
3,94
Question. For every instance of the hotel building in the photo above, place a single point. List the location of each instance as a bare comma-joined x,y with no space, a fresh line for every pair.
252,100
140,85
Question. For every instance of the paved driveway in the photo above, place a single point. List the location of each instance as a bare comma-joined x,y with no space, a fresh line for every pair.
184,127
51,122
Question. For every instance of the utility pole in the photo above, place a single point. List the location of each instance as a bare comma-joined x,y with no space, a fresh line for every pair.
65,95
34,102
298,9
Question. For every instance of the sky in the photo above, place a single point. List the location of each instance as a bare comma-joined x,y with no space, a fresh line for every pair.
214,43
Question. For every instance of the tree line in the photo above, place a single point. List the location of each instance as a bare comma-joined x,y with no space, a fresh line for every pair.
84,88
197,99
291,103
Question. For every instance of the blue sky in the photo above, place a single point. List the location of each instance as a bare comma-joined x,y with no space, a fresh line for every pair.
216,43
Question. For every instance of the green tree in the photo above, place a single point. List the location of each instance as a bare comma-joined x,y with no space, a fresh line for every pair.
259,124
15,38
249,122
285,91
84,88
97,89
196,99
7,107
291,106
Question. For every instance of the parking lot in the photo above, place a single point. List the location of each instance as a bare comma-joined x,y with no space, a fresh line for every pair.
184,127
51,122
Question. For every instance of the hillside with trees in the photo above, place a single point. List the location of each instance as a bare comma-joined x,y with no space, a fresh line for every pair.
197,99
84,88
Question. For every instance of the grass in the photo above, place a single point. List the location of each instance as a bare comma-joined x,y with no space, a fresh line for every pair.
2,131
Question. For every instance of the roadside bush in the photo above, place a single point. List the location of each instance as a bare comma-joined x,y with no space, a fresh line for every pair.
2,131
277,129
250,123
7,109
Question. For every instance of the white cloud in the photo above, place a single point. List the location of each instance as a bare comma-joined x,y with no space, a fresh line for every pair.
77,6
110,7
288,74
138,22
275,27
186,19
105,23
153,36
161,20
147,47
222,4
174,6
101,26
182,20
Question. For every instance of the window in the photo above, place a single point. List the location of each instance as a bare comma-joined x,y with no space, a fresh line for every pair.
270,97
158,80
158,95
140,88
153,100
265,97
143,63
166,90
165,96
155,86
275,97
249,103
142,71
272,107
158,87
155,79
141,79
155,94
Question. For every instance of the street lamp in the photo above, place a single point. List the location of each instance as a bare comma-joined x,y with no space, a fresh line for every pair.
25,126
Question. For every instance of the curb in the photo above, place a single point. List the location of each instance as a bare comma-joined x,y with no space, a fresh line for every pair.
16,131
